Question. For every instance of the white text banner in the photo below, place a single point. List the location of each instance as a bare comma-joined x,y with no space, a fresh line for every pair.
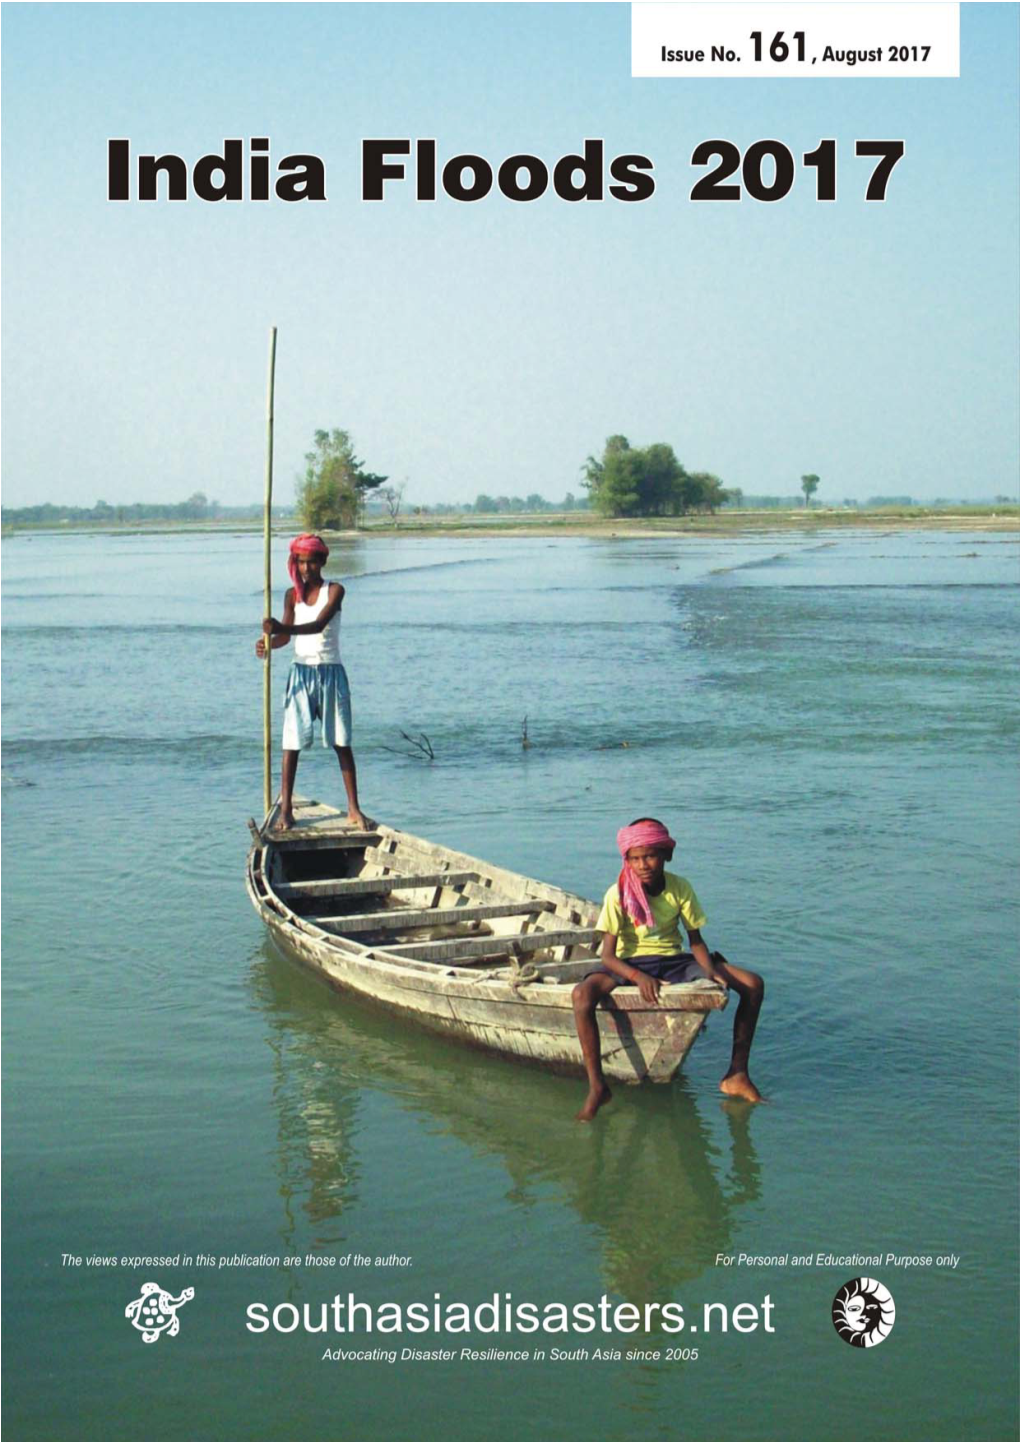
804,41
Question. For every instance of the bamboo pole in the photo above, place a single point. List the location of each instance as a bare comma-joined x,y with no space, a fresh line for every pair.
267,698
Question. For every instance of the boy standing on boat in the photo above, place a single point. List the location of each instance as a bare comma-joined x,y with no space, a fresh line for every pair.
317,688
641,946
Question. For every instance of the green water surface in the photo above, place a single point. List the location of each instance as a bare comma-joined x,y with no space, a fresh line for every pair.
829,726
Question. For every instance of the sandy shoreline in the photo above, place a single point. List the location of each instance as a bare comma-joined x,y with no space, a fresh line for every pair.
624,529
744,523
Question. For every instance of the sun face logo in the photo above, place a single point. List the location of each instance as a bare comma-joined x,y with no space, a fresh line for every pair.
155,1311
863,1312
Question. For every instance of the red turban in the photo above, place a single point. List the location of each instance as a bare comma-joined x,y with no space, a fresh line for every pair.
306,545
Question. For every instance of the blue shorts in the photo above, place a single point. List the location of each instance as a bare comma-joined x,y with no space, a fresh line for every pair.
316,693
678,967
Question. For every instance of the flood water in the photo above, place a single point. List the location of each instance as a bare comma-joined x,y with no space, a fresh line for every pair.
827,722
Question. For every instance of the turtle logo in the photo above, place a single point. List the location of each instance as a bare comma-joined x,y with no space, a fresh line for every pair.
155,1311
863,1312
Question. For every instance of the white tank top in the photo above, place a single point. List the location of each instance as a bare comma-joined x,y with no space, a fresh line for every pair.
323,647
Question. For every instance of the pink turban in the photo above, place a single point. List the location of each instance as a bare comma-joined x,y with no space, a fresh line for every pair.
306,545
632,893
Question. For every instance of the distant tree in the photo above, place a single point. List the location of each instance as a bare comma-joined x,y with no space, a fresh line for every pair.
607,480
392,497
660,480
196,507
484,505
625,481
620,491
703,492
612,481
809,484
335,482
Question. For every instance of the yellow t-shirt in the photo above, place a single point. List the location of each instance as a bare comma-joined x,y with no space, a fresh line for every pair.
676,902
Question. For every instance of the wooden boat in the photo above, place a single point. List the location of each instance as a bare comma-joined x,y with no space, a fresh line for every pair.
479,953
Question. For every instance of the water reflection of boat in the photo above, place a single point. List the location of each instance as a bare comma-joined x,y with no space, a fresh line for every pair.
440,937
646,1182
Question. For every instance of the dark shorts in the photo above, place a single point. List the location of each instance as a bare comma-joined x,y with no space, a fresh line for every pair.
681,966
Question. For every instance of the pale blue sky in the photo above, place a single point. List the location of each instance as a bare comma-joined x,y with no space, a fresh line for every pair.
492,346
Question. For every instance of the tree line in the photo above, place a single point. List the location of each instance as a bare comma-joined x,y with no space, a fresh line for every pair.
335,489
485,505
196,508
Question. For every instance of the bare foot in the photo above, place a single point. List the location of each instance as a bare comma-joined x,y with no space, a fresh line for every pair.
284,821
358,820
597,1097
739,1084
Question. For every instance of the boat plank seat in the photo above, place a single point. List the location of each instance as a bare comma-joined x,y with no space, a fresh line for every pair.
493,946
404,919
375,886
301,838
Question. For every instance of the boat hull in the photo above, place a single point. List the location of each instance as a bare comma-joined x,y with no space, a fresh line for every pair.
526,1016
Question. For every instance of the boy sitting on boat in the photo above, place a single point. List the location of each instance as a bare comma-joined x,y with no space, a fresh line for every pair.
317,688
641,946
